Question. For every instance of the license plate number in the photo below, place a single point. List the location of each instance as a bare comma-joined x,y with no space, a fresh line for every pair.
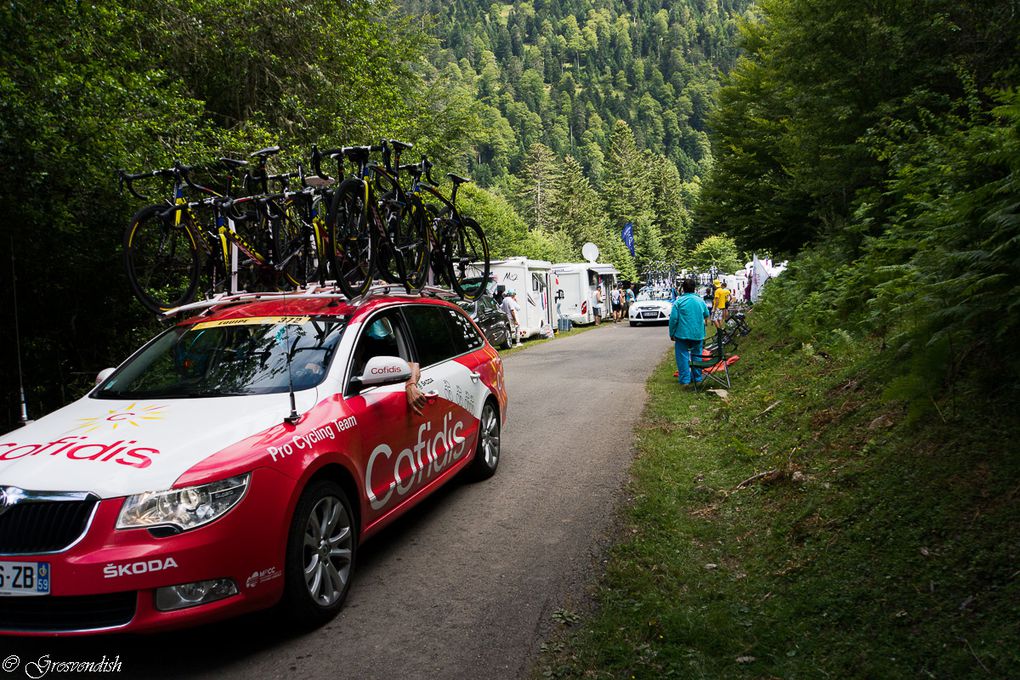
649,315
24,578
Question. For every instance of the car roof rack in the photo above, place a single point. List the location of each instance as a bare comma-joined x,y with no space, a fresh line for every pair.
312,292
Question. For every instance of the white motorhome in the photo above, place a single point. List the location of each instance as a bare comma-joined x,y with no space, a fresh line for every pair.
531,280
574,285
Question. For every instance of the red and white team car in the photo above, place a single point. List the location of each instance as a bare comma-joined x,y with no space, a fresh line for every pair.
237,460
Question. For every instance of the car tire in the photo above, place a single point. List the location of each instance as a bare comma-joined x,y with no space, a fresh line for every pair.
314,592
633,323
486,458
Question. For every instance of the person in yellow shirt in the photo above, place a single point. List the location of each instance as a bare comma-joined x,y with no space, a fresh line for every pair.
720,301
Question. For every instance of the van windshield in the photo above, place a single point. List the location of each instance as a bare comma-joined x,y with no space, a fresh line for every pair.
257,355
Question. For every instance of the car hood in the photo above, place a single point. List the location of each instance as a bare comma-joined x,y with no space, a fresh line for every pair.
120,447
651,304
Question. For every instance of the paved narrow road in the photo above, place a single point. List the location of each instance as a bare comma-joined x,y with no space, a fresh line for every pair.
465,587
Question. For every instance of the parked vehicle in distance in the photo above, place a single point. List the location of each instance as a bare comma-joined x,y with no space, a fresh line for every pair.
531,280
574,287
651,306
238,460
491,319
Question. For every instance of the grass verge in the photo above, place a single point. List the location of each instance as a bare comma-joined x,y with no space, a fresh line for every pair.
872,547
574,330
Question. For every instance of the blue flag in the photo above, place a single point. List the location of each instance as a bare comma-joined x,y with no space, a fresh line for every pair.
628,237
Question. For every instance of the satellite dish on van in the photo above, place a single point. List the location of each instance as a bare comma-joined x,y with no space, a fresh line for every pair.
590,251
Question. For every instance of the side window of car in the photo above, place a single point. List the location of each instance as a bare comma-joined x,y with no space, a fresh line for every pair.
465,337
381,336
431,333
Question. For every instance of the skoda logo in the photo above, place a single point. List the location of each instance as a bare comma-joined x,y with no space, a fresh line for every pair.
7,498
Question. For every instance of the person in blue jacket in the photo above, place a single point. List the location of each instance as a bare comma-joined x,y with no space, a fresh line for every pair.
687,330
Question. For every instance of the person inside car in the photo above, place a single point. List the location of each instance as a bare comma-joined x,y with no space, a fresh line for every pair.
380,340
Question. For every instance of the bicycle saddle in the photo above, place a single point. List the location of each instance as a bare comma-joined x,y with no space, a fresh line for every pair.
233,162
357,154
319,182
457,179
265,153
398,145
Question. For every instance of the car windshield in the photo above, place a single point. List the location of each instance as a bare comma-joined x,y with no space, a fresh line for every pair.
229,357
646,295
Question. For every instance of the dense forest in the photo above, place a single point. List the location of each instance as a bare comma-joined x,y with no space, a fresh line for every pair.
590,115
880,143
573,117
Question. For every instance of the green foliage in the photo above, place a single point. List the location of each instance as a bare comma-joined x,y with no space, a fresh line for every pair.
718,253
892,175
505,231
86,88
551,79
805,529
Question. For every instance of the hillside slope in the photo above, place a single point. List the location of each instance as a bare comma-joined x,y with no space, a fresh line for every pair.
807,528
561,72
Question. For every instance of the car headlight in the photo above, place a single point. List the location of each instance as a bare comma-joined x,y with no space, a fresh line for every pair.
185,508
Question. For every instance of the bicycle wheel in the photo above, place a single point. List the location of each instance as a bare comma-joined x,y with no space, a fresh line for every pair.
408,242
294,251
353,247
467,256
161,257
389,262
252,240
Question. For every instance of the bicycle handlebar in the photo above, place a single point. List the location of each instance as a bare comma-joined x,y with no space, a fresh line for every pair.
124,178
184,172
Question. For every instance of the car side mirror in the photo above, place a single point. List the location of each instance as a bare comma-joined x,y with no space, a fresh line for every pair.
104,374
384,371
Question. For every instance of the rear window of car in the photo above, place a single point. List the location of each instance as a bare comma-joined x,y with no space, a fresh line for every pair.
431,333
465,337
440,333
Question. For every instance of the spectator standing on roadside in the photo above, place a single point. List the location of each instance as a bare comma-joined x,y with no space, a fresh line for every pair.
720,301
616,299
687,331
628,300
597,305
512,309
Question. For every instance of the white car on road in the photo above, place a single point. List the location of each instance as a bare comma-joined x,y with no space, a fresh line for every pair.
652,306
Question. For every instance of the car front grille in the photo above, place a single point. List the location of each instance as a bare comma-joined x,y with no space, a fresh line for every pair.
49,613
44,526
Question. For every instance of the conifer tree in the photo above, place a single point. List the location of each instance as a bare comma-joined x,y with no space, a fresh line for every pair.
628,192
672,214
537,183
579,212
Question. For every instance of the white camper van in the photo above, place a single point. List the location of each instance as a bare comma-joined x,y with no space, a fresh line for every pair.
531,280
574,285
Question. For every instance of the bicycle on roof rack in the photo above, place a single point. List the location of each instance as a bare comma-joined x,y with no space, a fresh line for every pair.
206,242
456,245
371,226
218,243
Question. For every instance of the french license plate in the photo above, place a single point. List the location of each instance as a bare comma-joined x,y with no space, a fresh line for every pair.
649,315
24,578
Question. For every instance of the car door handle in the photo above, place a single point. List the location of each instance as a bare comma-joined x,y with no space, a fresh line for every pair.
475,377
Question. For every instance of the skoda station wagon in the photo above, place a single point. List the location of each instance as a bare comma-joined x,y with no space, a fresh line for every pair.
237,460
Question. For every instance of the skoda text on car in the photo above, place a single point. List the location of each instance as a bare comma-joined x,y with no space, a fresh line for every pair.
651,306
237,461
